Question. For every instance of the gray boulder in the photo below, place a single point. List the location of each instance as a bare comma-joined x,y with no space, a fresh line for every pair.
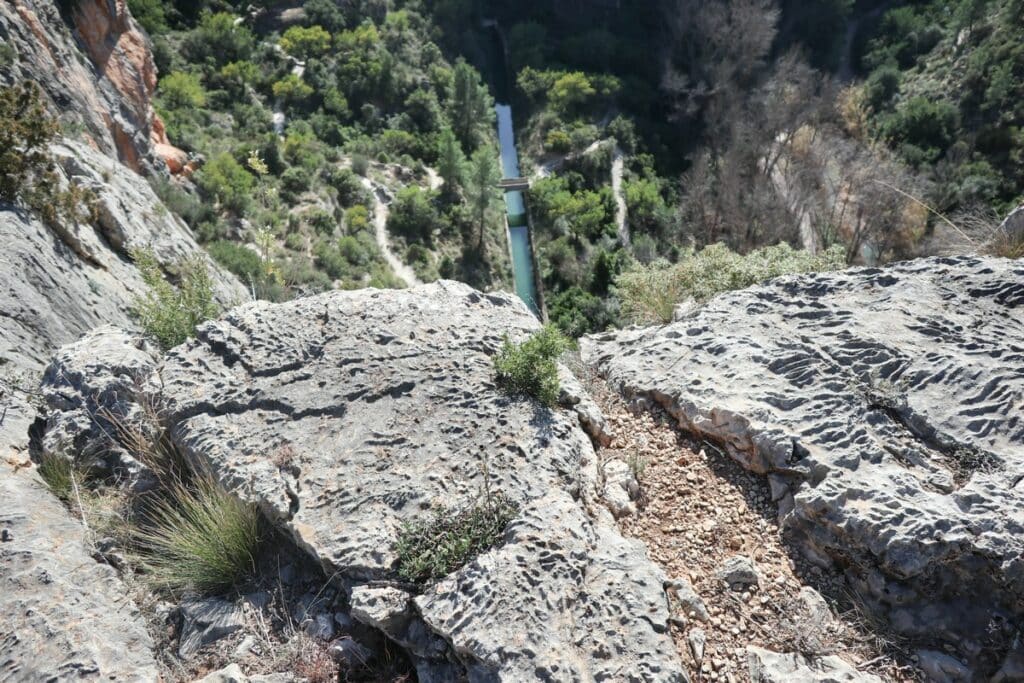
347,414
885,405
738,571
65,616
92,389
205,621
766,666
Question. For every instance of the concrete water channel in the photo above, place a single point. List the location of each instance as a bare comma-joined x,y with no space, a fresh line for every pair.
517,211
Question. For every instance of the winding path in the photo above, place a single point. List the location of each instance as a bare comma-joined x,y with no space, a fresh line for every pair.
621,226
380,225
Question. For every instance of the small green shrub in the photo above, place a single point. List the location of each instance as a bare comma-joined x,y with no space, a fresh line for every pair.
171,314
28,174
433,548
650,293
198,537
530,368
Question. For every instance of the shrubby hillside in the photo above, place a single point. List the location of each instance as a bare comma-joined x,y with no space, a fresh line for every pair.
648,130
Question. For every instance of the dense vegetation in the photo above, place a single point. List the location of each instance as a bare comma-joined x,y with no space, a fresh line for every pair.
830,123
945,89
297,122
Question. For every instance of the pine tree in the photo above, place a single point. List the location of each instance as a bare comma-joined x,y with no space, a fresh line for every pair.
483,180
451,162
469,105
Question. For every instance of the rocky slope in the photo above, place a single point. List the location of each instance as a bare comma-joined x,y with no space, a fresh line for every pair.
95,65
66,616
347,414
885,407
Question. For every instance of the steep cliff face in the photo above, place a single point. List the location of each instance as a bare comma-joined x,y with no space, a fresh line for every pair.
95,65
96,70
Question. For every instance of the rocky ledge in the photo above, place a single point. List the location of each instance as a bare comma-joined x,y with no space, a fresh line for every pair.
885,406
347,414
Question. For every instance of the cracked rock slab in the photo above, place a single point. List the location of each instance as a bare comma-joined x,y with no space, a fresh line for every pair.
774,667
886,404
347,414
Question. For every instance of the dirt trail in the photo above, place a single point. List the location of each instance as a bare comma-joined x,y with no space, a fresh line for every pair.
380,225
621,226
699,508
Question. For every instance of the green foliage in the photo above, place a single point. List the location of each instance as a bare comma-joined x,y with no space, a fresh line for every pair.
922,124
569,92
304,42
530,368
469,110
558,141
882,86
182,90
198,537
292,89
171,314
151,14
578,312
218,40
451,162
588,214
237,258
62,474
28,175
25,131
432,548
226,180
483,177
413,214
650,293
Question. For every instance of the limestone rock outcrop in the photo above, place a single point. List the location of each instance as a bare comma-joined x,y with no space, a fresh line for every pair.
887,408
65,616
346,414
94,64
58,282
774,667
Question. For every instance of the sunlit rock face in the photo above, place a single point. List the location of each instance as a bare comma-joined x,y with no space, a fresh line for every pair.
887,408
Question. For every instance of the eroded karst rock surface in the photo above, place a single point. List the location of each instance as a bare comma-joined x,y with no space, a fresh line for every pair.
887,408
65,616
346,414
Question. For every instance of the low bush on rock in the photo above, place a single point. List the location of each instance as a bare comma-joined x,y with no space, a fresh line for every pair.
171,314
530,368
650,293
198,537
28,174
432,548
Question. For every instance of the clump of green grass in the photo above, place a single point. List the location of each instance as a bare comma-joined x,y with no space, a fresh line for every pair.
171,314
433,548
198,537
62,475
530,368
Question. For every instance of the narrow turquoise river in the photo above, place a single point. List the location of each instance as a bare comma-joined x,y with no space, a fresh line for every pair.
515,207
